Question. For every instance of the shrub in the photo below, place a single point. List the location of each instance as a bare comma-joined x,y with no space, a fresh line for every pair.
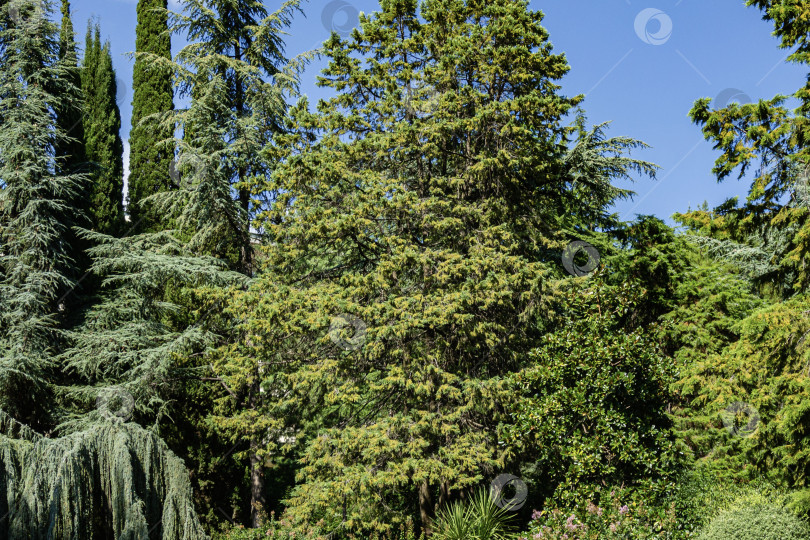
756,517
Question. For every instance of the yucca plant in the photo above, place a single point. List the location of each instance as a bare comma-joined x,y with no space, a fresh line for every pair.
477,519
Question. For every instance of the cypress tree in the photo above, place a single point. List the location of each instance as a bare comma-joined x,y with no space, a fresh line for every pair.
149,161
103,140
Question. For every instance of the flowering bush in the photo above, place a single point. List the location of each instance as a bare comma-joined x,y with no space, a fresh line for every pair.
617,515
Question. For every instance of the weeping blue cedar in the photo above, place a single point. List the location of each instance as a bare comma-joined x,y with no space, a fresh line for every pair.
114,480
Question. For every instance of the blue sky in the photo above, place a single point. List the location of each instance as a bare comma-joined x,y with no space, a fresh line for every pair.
641,65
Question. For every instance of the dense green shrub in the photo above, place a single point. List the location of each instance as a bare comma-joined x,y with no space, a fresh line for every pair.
756,517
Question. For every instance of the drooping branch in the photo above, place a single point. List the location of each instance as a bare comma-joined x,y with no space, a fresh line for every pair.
114,480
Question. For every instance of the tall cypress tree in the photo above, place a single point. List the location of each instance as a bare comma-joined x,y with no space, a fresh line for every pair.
149,162
103,141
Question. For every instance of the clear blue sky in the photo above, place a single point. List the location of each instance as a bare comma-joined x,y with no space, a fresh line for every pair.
642,77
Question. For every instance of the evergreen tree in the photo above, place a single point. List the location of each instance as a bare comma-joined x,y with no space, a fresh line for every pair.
149,161
35,212
222,137
240,43
103,141
70,116
425,220
768,139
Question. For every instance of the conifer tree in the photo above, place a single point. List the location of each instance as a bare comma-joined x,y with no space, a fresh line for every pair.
239,42
103,141
70,117
149,162
768,139
410,262
35,211
237,87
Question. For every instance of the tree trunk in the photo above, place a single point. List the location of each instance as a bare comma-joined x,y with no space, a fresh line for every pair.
444,494
426,508
257,502
256,487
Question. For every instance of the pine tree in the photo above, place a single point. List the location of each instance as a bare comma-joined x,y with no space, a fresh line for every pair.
35,211
103,141
149,162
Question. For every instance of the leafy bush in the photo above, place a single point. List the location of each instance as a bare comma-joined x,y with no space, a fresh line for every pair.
590,409
756,517
618,513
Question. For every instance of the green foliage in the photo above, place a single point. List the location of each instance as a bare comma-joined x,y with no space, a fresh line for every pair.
593,163
36,268
238,78
115,480
477,519
590,409
103,144
766,369
432,237
149,161
70,151
756,517
769,138
133,338
616,514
